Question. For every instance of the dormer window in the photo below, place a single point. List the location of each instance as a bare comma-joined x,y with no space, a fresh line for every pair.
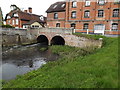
15,15
42,18
101,2
74,4
54,6
62,5
8,17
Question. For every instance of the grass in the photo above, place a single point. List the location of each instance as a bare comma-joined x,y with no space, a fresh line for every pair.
76,68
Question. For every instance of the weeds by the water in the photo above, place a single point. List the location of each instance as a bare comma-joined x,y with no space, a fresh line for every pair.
76,68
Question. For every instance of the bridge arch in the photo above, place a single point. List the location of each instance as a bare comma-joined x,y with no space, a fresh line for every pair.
42,39
57,40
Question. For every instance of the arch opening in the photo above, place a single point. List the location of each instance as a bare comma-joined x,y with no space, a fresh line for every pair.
57,40
43,40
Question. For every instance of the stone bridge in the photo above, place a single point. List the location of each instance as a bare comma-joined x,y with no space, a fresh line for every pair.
47,36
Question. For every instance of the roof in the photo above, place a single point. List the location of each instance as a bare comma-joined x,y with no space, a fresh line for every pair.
57,7
25,16
32,21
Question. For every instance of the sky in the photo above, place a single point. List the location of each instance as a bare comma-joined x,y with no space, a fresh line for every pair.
38,6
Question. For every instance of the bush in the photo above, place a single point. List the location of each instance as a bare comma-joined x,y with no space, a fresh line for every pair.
7,26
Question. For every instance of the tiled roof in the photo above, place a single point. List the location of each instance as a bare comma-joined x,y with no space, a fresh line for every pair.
25,16
57,7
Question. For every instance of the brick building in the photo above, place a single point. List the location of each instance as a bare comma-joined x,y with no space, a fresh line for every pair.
23,19
96,16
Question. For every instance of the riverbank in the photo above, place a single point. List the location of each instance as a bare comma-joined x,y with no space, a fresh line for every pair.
76,68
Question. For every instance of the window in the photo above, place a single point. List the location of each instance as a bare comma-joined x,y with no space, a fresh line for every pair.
117,1
73,25
114,26
87,3
13,22
100,13
73,14
116,13
74,4
101,2
58,25
99,27
62,5
85,27
87,14
54,6
16,21
8,21
8,17
42,18
56,16
15,15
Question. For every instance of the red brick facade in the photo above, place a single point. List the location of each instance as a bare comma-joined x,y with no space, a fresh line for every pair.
18,18
98,16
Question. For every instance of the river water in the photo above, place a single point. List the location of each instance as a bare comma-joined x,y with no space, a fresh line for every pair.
20,60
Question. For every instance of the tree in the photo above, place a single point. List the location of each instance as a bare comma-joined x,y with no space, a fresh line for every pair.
1,17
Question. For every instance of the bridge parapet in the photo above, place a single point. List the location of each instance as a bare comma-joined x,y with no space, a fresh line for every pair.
56,30
13,31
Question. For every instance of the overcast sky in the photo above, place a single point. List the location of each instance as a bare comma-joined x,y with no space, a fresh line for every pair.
39,6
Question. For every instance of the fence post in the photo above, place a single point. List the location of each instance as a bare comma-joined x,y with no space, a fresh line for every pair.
87,31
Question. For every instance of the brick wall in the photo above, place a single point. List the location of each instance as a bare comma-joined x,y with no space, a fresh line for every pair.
80,20
51,22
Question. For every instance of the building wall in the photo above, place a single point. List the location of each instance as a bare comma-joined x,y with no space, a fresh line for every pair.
51,22
10,22
80,20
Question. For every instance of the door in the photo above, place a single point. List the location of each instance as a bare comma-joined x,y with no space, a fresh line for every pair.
99,28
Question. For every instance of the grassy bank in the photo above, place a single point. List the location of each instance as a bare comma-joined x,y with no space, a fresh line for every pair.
76,68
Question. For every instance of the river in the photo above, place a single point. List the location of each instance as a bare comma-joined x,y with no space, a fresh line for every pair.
23,59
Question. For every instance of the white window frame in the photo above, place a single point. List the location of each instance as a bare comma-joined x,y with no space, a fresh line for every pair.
116,12
85,26
15,15
16,21
55,6
55,15
87,3
114,26
74,4
62,5
101,2
73,14
13,22
8,17
100,13
99,28
87,14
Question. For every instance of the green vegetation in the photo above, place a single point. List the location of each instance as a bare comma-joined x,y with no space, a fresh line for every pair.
7,26
43,48
76,68
96,37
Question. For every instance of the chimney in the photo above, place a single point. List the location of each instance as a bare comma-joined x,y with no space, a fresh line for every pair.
30,10
25,11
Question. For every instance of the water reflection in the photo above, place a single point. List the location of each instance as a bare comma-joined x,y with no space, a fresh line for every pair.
17,61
